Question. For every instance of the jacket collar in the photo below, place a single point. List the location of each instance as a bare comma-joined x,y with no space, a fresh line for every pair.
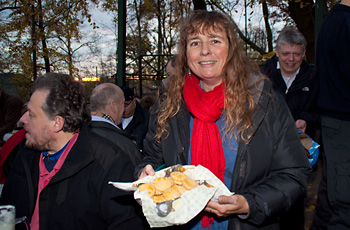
79,156
262,98
105,125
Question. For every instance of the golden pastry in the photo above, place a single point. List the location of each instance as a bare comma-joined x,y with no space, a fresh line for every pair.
161,184
149,188
180,188
178,177
171,193
189,183
158,199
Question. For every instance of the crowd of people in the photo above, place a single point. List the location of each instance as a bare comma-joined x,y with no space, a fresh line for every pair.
217,109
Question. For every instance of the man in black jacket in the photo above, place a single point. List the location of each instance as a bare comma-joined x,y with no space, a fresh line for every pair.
107,107
292,76
59,179
135,118
333,70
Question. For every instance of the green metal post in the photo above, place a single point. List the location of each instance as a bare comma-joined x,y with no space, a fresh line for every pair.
319,9
121,43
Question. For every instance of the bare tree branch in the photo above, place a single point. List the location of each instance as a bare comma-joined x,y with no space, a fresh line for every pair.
10,8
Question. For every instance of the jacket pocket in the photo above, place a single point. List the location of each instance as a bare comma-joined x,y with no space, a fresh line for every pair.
342,186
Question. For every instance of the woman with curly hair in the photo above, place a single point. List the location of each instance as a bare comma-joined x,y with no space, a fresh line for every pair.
220,112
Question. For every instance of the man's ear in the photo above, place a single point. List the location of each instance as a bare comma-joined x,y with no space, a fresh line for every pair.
112,106
59,122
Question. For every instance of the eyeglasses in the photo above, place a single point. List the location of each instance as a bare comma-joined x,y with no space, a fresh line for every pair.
126,104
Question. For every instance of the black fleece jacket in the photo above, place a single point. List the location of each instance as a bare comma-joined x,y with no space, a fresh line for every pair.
302,95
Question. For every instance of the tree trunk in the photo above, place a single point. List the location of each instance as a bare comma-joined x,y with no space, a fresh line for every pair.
199,5
43,38
267,26
70,57
303,14
160,39
34,47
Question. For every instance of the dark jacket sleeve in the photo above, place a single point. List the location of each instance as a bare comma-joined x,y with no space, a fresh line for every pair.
284,181
152,149
119,207
173,147
19,189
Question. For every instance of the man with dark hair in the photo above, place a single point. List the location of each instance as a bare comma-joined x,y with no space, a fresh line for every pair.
60,176
10,112
135,118
107,107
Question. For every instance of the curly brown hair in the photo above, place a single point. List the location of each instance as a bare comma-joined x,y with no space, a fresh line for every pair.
239,99
65,99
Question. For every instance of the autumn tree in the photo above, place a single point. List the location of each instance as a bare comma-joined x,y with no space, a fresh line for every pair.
151,33
299,13
39,24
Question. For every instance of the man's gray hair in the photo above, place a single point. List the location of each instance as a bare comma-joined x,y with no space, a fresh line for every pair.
292,36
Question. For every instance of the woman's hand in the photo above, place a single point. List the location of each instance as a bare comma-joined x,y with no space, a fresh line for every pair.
228,205
147,171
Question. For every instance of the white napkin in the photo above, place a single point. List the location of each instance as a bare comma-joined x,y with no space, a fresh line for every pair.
185,208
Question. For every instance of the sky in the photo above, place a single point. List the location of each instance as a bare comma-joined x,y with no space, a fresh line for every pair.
107,44
107,33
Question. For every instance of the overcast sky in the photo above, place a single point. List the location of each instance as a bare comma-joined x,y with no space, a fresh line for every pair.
107,30
107,33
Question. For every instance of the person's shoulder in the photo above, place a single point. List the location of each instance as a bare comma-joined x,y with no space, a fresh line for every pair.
341,7
116,142
97,125
145,113
109,131
140,108
308,68
263,87
142,112
102,145
98,140
272,61
336,16
106,152
270,66
13,99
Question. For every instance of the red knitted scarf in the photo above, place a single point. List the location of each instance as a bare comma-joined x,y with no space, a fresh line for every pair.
206,147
